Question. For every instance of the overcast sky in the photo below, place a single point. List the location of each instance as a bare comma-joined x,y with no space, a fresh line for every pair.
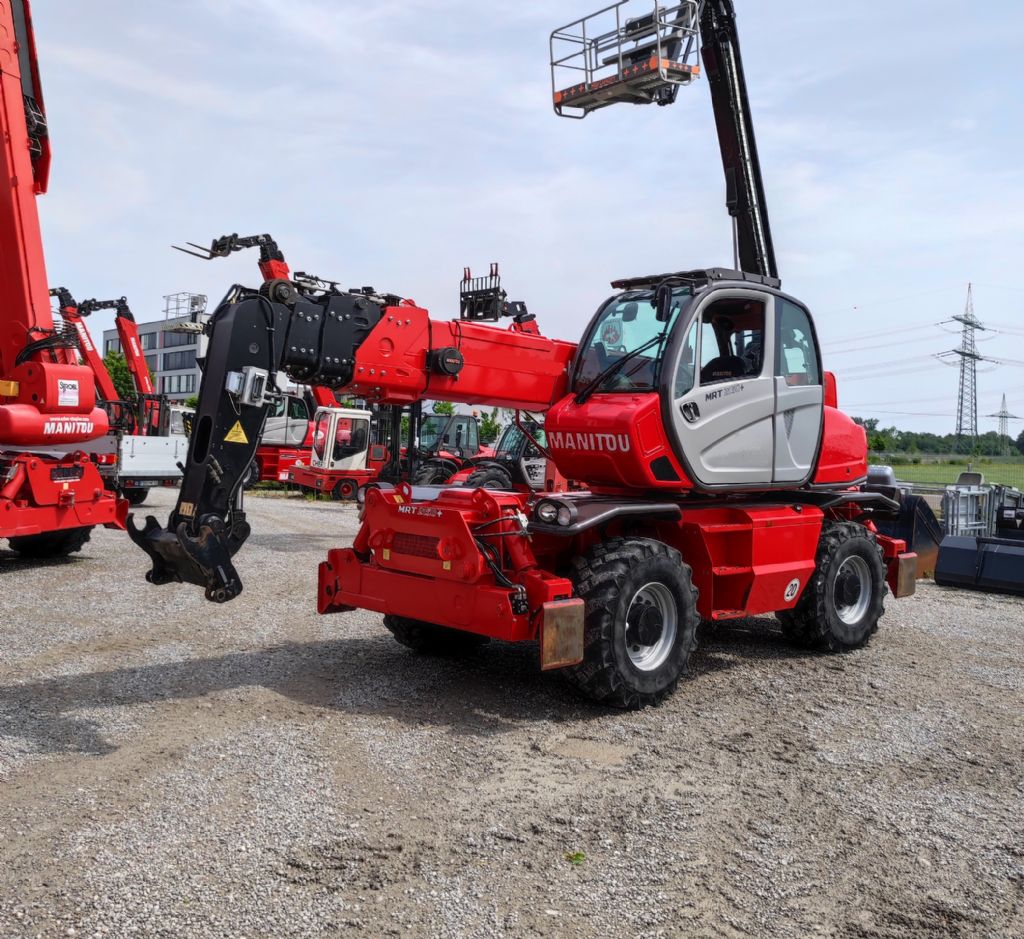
393,142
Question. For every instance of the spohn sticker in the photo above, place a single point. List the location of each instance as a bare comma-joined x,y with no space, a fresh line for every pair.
67,393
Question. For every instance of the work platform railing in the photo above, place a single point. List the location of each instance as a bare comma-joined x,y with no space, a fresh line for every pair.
606,58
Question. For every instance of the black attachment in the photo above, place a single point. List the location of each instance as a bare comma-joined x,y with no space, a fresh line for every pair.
252,339
64,298
87,307
227,244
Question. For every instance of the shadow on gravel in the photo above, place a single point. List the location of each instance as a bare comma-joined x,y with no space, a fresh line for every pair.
11,562
497,689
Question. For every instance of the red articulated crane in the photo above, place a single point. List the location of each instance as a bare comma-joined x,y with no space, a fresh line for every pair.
140,451
723,480
150,405
51,494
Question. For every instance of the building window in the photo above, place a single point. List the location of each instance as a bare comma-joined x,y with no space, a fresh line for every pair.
152,363
148,341
179,360
113,345
172,339
178,384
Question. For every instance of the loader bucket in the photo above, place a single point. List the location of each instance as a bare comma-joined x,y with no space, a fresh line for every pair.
995,565
920,529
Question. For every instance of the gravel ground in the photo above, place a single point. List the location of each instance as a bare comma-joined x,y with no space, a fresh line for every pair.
171,768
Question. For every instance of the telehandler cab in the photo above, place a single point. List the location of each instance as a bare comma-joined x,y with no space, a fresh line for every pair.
723,479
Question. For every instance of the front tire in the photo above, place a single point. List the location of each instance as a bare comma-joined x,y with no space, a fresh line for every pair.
844,600
51,544
428,639
345,490
134,497
489,477
641,622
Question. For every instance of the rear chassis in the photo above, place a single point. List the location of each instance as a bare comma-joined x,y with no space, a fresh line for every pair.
326,481
40,494
472,560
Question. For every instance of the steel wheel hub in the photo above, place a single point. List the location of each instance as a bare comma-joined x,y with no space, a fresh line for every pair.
652,622
852,590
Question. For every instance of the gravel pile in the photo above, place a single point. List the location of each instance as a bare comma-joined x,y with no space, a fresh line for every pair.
171,768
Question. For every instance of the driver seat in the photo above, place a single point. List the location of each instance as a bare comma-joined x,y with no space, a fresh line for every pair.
724,368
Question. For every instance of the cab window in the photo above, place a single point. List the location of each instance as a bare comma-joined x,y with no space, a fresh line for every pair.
686,373
731,341
797,358
350,437
297,409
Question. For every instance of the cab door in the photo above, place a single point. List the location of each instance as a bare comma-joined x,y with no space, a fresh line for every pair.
287,422
799,394
723,408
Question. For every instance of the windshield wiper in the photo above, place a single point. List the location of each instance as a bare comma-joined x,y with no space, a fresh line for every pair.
616,366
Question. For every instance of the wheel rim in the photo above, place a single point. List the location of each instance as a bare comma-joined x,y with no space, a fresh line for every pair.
652,623
852,590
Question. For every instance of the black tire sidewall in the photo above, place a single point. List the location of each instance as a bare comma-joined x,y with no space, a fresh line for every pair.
341,487
490,477
666,571
853,635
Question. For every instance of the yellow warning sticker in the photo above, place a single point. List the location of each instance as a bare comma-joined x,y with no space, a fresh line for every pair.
236,434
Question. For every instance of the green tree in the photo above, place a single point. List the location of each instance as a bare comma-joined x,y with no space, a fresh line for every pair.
117,366
1020,442
192,402
444,407
489,427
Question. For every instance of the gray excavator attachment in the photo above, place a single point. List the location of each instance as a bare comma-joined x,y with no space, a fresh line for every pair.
991,564
995,564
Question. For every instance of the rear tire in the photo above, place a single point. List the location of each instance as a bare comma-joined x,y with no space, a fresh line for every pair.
489,477
428,639
135,497
345,490
844,600
51,544
641,622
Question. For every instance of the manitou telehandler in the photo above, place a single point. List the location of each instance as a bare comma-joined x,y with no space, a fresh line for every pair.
51,493
724,480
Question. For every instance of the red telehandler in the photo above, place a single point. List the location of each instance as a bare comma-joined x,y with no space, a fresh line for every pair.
723,479
51,493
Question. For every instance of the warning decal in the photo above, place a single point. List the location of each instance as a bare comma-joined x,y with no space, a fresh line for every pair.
236,434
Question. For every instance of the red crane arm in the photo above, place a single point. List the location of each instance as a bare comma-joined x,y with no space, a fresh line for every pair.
90,354
131,346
